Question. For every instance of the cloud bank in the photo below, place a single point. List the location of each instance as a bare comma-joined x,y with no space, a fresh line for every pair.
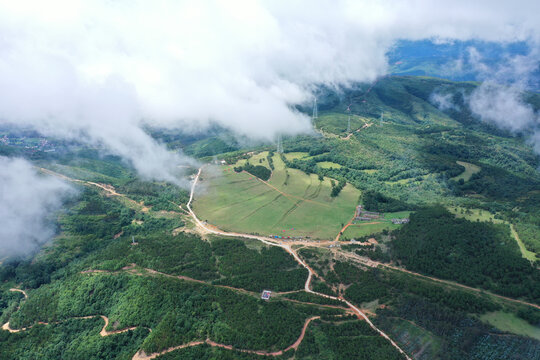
499,99
26,201
101,70
503,106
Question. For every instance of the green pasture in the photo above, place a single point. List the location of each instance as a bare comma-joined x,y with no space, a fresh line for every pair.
511,323
292,203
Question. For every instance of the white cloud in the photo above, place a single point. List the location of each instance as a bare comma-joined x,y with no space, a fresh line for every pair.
499,98
26,201
442,101
503,106
103,68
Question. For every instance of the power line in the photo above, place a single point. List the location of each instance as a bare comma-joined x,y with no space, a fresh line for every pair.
349,120
279,145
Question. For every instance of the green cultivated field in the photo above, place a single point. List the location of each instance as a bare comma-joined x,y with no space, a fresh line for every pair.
291,200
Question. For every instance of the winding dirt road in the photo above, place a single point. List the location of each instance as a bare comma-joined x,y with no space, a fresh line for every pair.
103,331
21,291
109,189
141,355
6,325
135,271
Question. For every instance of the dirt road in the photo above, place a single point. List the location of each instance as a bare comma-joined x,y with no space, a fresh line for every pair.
103,331
372,263
141,355
21,291
109,189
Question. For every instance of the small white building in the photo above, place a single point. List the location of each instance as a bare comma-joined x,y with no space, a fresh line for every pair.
266,294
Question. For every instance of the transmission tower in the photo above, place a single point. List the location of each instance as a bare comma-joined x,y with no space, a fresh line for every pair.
315,110
279,145
382,116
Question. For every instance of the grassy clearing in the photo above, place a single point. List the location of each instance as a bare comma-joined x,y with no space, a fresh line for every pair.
256,159
260,159
371,306
511,323
336,123
328,165
474,214
400,181
359,230
397,215
529,234
529,255
470,170
296,155
291,204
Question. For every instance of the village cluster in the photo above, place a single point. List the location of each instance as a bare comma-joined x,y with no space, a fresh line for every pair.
30,144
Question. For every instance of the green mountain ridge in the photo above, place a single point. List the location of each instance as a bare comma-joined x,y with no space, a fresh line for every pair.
137,257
